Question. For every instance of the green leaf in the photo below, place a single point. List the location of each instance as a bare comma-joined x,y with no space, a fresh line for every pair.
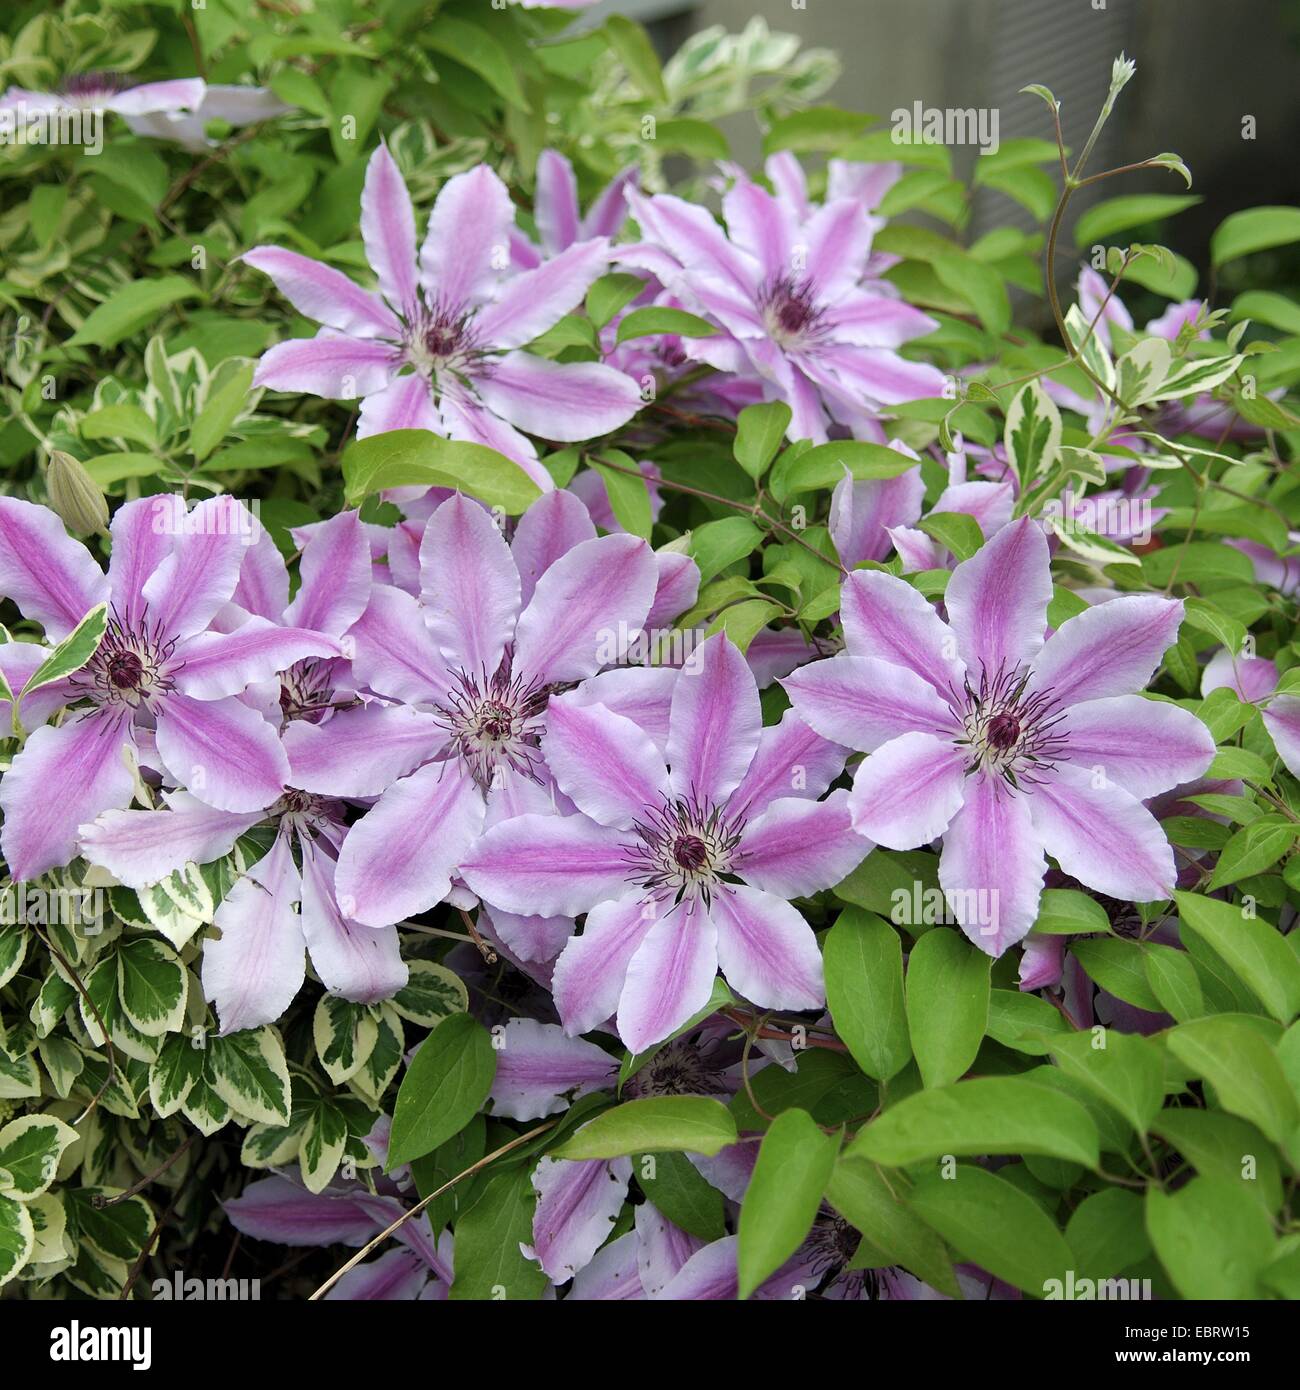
344,1034
178,1067
72,653
1263,306
628,493
1107,1234
987,1115
717,544
992,1223
420,458
866,1198
249,1072
1067,912
947,1004
700,139
1252,849
1175,983
1118,965
1103,220
120,421
1127,1072
759,432
431,993
489,1263
685,1124
815,128
131,308
152,986
16,1238
448,1080
1223,1146
864,991
30,1149
826,464
642,323
1032,435
476,47
1237,1060
1255,229
678,1191
632,45
1212,1238
790,1174
219,412
955,531
1251,948
980,285
611,293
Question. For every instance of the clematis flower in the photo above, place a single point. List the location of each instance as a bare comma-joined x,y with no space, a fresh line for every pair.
108,91
789,299
866,512
159,678
1008,746
473,673
437,347
1254,681
234,105
678,872
558,214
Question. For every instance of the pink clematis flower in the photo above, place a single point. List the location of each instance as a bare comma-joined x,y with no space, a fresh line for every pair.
679,872
790,300
108,91
438,347
473,666
1007,746
160,679
558,214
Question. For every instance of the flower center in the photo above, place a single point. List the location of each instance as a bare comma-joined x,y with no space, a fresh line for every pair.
791,314
681,1068
306,691
1009,730
129,667
686,849
86,88
494,723
441,338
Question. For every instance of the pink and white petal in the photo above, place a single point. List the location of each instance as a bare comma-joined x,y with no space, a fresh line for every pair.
252,971
798,847
361,752
61,779
604,763
388,230
406,403
190,587
997,600
355,962
467,245
553,865
989,503
612,1275
51,577
564,401
1146,746
584,609
792,759
397,1276
873,377
677,590
263,588
142,847
906,792
143,532
222,751
336,576
876,321
392,651
785,174
608,213
176,94
550,528
663,1248
886,618
1282,720
535,300
862,513
776,651
530,938
399,858
469,585
917,551
695,239
325,295
766,950
1112,648
761,225
216,664
541,1071
1041,962
555,202
18,663
669,977
642,694
332,365
715,723
710,1275
1251,677
992,865
862,703
1103,836
838,237
592,969
278,1210
577,1204
464,418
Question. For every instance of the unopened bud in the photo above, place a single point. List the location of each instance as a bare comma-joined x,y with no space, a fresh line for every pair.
74,494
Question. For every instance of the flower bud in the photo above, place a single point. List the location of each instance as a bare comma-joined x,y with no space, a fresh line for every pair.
74,495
